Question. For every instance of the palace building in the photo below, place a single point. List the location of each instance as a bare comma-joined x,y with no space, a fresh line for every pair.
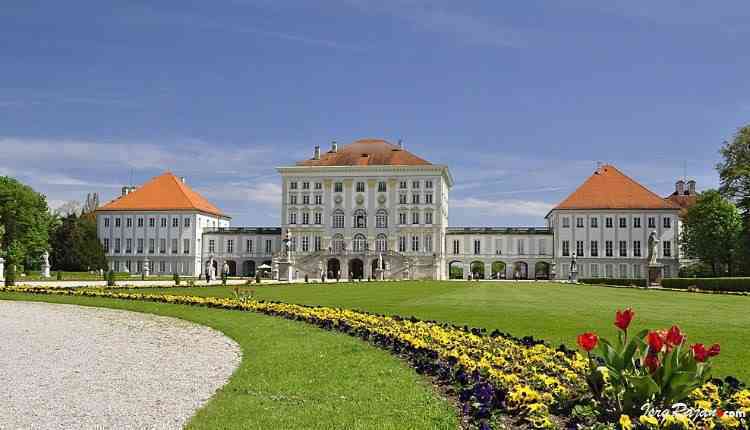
369,205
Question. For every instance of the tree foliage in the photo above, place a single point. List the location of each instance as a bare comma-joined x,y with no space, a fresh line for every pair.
25,222
712,231
734,172
75,247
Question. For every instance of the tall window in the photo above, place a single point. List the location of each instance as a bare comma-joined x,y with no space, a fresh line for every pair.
637,222
623,222
456,247
316,243
106,222
293,185
318,199
415,218
230,246
338,187
594,222
140,222
186,246
415,199
402,199
305,218
117,246
415,184
128,246
174,246
667,222
139,246
428,218
542,247
594,248
360,187
566,248
402,218
521,245
381,219
428,183
359,243
381,243
151,222
128,222
623,269
249,246
318,185
637,247
292,217
163,222
594,270
579,248
428,243
566,222
623,248
305,243
269,246
477,246
402,185
579,222
151,246
105,245
175,222
292,199
415,243
305,185
667,248
318,218
338,243
306,199
117,222
428,199
651,222
360,218
381,186
211,245
338,219
402,244
608,222
608,248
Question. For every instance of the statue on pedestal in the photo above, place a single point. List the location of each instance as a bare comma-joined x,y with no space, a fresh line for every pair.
653,249
146,267
573,269
2,269
45,265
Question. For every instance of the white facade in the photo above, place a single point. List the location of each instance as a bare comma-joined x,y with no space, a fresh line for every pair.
169,241
244,249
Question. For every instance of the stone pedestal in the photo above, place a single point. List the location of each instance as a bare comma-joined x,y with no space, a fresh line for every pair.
574,276
45,270
285,270
655,274
2,269
146,267
379,274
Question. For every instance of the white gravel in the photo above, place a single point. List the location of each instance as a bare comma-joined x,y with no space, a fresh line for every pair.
73,367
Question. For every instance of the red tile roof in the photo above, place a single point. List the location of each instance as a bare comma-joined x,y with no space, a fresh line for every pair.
684,201
162,193
609,188
367,152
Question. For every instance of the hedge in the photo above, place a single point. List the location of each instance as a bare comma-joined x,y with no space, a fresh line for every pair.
615,281
709,284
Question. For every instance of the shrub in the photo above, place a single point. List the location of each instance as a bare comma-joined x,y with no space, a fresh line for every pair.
709,284
615,281
10,275
111,278
59,276
176,278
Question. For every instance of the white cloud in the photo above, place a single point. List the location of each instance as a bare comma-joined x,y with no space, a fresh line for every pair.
503,207
264,193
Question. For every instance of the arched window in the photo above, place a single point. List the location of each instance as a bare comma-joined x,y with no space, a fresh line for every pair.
381,219
381,243
338,219
338,243
360,218
359,243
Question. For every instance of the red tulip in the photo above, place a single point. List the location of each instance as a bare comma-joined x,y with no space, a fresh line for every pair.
652,362
699,352
714,350
655,341
675,336
623,318
588,341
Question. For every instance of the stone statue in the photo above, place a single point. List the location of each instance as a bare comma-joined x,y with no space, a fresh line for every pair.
287,244
380,261
225,268
45,265
653,251
45,258
573,264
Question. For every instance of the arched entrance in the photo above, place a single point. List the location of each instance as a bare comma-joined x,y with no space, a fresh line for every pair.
232,267
477,270
498,270
520,270
541,270
248,268
455,270
333,266
356,269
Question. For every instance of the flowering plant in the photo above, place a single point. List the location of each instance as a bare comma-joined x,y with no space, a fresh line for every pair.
652,367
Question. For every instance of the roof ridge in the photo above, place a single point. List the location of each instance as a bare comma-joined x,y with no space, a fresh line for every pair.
641,185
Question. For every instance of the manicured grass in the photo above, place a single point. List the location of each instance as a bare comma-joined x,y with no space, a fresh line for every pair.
86,276
553,312
294,375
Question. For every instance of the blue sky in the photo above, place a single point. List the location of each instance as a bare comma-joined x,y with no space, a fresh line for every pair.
520,99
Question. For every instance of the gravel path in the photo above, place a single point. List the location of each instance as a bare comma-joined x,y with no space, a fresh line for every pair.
71,367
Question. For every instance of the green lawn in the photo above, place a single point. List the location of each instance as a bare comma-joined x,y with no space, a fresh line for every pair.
294,375
554,312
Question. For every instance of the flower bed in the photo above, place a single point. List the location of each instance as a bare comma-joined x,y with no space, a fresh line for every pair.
493,375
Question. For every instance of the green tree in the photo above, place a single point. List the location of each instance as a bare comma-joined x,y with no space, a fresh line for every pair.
25,220
712,231
75,247
734,172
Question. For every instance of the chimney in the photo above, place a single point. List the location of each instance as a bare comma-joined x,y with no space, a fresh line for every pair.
691,187
183,179
125,190
679,187
400,144
334,147
316,154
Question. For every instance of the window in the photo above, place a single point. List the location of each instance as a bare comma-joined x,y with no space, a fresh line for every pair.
381,187
230,246
477,246
140,222
128,265
318,218
594,270
579,222
428,199
608,222
623,248
249,246
316,243
318,199
402,185
623,222
360,218
152,222
305,218
117,246
623,269
268,246
293,244
151,246
306,199
402,199
117,222
360,187
359,243
428,184
594,248
381,219
542,247
520,245
293,185
636,271
305,185
594,222
381,243
186,246
637,247
415,185
402,244
428,243
128,245
318,185
566,222
128,222
667,248
211,246
428,218
415,243
651,222
415,199
608,248
292,217
338,187
338,219
456,247
105,245
175,222
106,222
579,248
402,218
163,222
608,271
174,246
292,199
566,248
637,222
415,218
139,246
667,222
305,243
162,266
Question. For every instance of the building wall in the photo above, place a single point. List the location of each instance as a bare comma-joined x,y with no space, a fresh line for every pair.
243,248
